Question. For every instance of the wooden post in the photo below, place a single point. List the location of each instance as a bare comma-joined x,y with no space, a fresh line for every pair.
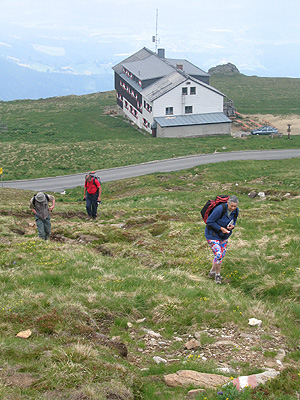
289,131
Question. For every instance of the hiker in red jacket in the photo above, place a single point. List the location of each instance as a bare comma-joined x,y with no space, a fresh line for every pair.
92,194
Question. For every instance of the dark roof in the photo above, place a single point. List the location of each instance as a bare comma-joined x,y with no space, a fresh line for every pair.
168,82
149,68
145,64
188,67
163,85
139,55
193,119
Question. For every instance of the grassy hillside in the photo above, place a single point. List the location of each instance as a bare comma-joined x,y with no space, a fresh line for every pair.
257,95
63,135
92,294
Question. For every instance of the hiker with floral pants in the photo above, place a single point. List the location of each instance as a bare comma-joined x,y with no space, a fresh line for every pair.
219,227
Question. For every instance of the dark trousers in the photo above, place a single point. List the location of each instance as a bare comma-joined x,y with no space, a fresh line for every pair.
43,227
91,204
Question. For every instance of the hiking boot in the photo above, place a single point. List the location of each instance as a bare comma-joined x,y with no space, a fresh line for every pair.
211,274
88,217
218,279
94,217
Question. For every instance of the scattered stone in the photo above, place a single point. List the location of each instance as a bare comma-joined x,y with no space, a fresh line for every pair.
252,195
198,335
140,321
254,322
129,325
253,380
192,344
24,334
226,370
189,377
280,364
287,195
262,195
280,355
151,333
178,339
224,343
159,360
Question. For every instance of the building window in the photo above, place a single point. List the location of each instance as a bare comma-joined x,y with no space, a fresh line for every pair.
169,110
188,109
147,107
184,90
193,90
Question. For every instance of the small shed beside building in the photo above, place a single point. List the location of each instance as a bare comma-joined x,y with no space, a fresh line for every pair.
192,125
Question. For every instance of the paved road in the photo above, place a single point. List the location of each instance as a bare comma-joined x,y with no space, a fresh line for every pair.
60,183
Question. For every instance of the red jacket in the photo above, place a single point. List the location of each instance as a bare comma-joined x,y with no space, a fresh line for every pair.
92,186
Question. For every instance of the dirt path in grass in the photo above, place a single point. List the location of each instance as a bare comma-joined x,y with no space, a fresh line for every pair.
281,122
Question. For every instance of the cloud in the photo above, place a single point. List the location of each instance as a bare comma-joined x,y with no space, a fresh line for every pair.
13,59
212,46
5,44
220,30
122,55
24,65
52,51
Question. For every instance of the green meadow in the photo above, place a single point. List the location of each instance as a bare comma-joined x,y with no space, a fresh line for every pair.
65,135
103,298
90,294
258,95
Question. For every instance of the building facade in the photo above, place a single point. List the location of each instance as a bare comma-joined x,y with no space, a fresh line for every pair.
157,93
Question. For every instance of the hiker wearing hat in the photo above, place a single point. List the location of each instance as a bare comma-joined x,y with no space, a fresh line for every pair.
39,205
92,194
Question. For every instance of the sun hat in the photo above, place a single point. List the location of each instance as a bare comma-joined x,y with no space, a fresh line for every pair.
40,197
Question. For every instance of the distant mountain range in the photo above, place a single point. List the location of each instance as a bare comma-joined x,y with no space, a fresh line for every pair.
19,82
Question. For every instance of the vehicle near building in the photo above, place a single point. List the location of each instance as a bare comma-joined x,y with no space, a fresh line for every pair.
264,130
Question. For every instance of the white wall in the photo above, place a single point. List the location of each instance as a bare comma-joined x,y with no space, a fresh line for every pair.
194,130
148,115
204,101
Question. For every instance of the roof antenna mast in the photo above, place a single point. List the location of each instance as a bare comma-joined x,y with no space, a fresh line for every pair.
155,38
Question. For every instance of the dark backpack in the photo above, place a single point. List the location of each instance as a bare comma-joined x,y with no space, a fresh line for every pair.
211,204
33,201
97,178
94,176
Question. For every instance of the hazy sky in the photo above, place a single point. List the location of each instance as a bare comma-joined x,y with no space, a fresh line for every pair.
261,37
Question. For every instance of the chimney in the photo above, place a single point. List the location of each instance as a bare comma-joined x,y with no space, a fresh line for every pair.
179,66
161,53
